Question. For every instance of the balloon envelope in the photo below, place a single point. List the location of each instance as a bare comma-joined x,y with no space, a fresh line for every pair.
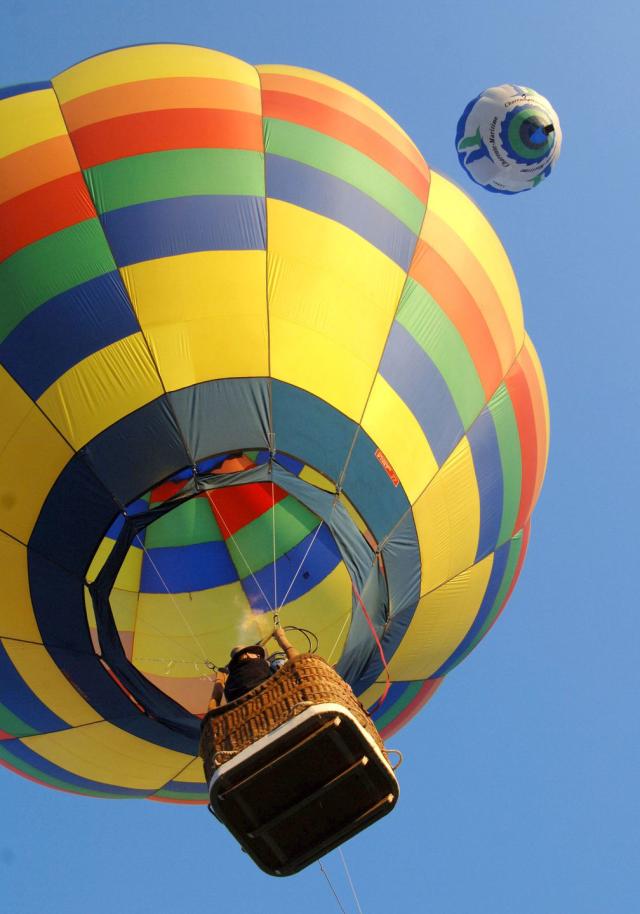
508,139
253,353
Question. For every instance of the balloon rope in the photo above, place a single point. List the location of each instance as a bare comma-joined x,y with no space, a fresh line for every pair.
235,543
377,640
276,621
302,561
335,894
173,599
353,888
335,643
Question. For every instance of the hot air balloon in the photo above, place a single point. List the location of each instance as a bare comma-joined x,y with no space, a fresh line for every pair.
508,139
255,356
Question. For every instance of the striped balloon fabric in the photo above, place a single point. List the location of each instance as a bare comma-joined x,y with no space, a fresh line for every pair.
254,356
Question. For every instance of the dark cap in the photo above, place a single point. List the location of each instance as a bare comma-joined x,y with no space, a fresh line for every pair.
254,648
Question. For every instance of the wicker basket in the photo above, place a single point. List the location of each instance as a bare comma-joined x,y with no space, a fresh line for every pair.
305,680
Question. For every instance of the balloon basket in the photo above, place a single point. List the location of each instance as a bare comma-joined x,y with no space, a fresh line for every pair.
292,792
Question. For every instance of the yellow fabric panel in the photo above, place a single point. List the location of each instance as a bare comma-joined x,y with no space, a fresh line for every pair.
447,518
153,61
204,314
129,574
28,119
192,774
16,618
101,389
459,211
440,622
124,605
370,695
103,752
326,611
317,479
396,431
324,80
176,633
332,298
33,662
32,454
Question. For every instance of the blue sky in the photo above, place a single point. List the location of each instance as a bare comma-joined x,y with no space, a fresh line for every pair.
519,787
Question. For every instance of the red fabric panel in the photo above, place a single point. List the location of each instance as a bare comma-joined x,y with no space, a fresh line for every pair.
520,394
155,131
43,211
237,506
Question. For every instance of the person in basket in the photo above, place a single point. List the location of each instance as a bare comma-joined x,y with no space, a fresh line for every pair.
247,668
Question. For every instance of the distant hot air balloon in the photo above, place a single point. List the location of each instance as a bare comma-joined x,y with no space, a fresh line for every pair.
508,139
254,354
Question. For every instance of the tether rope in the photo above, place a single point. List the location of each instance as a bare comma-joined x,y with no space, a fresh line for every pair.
380,649
353,889
335,894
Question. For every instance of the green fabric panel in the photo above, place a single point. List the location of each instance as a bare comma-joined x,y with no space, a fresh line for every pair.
430,327
504,418
255,541
342,161
13,725
49,267
514,554
29,770
398,707
180,795
177,173
190,523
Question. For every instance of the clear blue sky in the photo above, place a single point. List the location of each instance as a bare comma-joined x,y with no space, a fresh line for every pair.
520,782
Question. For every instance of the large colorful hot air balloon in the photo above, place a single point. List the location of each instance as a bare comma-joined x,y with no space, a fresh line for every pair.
508,139
255,355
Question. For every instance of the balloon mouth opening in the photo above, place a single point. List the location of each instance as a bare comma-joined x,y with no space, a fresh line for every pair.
201,561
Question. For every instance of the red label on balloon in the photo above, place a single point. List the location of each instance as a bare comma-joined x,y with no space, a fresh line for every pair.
391,473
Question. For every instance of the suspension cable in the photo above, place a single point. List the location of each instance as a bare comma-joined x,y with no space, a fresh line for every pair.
235,543
353,889
173,599
335,894
302,561
273,525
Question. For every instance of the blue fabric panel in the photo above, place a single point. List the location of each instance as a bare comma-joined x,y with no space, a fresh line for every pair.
22,89
152,434
310,429
218,417
74,518
289,463
65,330
182,225
495,580
21,701
329,196
396,691
410,372
40,763
186,568
323,557
134,508
360,656
368,486
485,450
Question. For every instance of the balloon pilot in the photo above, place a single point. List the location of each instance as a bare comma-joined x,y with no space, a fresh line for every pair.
247,668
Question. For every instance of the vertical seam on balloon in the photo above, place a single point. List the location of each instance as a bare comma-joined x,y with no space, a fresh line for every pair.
359,428
154,793
455,445
165,393
266,266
